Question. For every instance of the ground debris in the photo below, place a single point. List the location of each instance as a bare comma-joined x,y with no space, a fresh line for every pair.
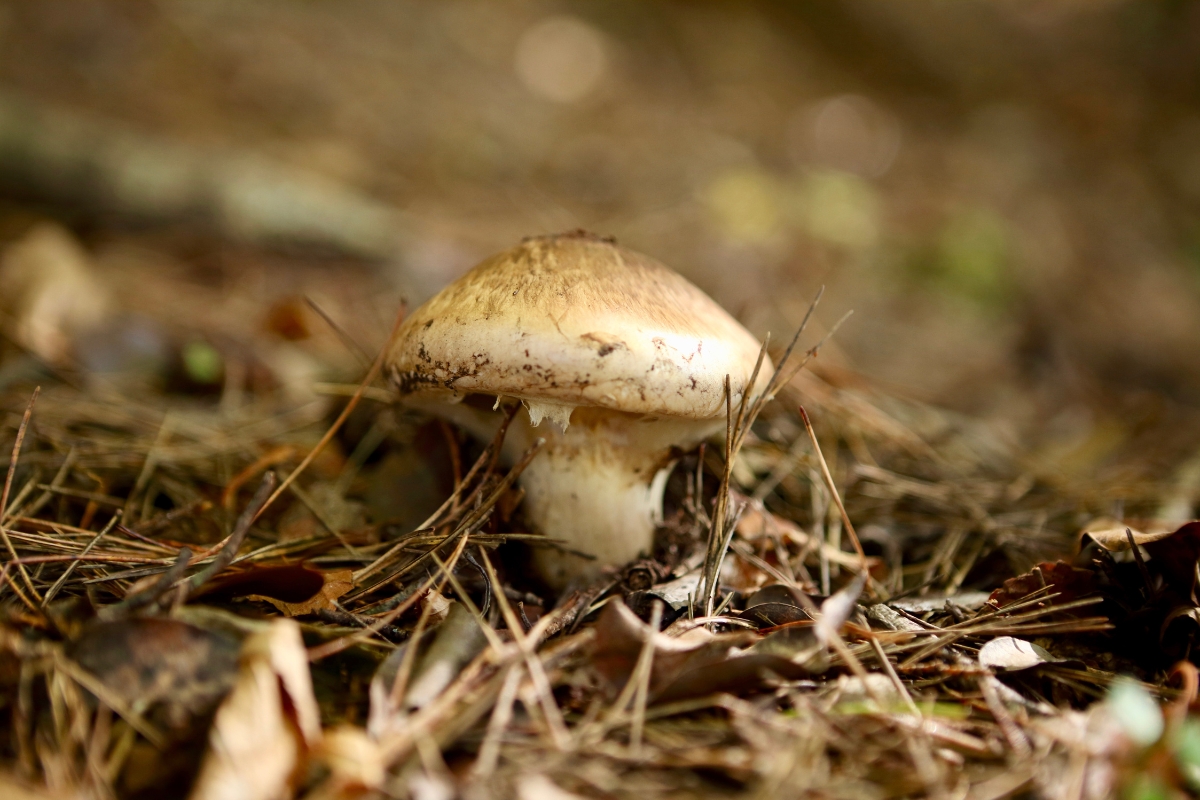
169,597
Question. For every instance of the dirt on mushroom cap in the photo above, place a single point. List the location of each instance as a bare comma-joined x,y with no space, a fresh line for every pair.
576,319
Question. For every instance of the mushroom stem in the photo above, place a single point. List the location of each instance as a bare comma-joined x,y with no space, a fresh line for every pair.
595,502
598,488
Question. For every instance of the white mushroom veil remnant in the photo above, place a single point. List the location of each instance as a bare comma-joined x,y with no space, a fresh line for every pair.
618,360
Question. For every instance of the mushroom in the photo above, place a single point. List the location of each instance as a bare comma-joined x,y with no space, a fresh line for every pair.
620,362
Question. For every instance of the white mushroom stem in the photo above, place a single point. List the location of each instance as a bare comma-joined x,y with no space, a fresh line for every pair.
594,501
597,487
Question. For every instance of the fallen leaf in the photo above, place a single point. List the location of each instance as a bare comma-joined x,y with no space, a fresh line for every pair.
291,583
756,522
694,663
969,601
1069,582
893,619
51,293
837,609
1111,534
675,596
1176,556
265,728
1011,654
177,671
772,615
775,604
335,584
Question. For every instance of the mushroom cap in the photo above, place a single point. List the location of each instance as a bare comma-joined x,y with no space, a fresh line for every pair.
575,320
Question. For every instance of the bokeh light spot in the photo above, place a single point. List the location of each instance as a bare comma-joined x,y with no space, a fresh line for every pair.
561,58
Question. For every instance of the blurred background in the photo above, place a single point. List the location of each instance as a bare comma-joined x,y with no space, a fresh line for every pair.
1006,194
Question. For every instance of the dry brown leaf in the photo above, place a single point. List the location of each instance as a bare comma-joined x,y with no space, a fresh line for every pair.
1069,583
154,661
1174,548
336,583
1111,534
756,522
440,657
265,728
695,663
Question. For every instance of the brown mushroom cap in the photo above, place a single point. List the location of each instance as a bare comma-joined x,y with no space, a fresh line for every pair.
574,319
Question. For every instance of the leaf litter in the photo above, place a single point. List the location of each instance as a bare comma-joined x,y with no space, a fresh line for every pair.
210,604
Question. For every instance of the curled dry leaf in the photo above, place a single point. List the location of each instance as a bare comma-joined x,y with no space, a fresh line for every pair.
334,584
175,674
694,663
675,595
266,726
293,589
1174,549
1176,556
756,522
774,605
968,601
1112,536
1069,583
290,583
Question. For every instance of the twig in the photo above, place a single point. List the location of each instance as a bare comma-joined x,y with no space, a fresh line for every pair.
812,435
240,529
347,340
165,583
642,673
12,468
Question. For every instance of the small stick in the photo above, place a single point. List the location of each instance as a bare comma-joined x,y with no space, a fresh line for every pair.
643,671
12,468
833,488
240,529
150,595
347,340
